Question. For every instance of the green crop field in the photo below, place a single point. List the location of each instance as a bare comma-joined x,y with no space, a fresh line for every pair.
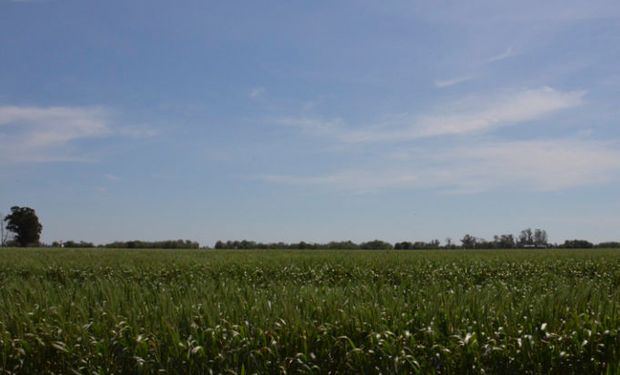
448,312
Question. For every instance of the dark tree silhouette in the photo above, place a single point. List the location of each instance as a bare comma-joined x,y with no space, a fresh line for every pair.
469,241
526,238
23,221
3,232
540,237
504,241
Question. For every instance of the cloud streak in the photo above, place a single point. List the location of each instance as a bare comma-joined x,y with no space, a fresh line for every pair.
256,92
440,84
356,180
470,115
43,133
47,134
502,56
538,165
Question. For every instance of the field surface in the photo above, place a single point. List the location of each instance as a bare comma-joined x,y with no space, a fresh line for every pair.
448,312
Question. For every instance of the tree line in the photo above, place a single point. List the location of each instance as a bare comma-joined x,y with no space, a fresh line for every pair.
527,238
136,244
22,228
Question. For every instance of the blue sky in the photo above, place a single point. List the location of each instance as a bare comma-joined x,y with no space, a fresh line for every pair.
315,121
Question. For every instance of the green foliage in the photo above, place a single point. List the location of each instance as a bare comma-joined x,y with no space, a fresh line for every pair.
169,244
334,245
609,245
406,245
114,311
504,241
23,221
73,244
376,245
469,241
577,244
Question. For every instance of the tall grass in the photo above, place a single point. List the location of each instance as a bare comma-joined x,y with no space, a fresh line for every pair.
108,311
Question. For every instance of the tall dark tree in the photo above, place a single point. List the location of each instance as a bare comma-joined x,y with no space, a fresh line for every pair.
23,221
540,237
526,237
469,241
504,241
3,232
448,242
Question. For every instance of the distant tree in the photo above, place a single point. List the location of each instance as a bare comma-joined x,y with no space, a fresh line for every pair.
504,241
469,241
448,242
405,245
481,243
73,244
577,244
609,245
348,245
376,245
540,238
526,237
23,221
4,233
168,244
417,245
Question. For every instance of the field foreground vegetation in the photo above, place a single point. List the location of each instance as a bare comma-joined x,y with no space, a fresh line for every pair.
449,312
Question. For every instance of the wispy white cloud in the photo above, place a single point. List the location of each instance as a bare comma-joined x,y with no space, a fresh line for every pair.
478,114
257,92
30,1
542,165
357,180
44,134
136,132
451,82
314,125
111,177
470,115
502,56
